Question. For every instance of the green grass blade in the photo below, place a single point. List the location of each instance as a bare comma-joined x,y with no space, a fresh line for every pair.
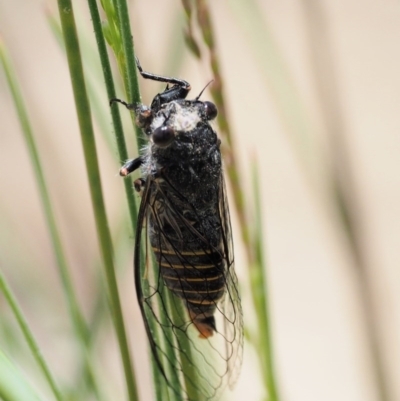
131,80
13,385
32,344
119,134
259,291
173,342
94,80
77,319
92,166
342,184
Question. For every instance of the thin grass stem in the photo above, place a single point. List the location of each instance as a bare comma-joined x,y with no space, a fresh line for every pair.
130,78
92,166
28,335
342,185
97,101
119,134
259,287
13,385
76,315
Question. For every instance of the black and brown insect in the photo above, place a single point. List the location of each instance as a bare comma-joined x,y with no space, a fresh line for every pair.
189,300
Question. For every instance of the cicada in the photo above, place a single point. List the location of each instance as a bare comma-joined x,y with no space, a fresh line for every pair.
189,299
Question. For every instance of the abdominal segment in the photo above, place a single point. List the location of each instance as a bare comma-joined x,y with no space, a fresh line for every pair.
194,271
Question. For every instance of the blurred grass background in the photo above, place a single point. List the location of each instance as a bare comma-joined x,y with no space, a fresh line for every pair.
312,91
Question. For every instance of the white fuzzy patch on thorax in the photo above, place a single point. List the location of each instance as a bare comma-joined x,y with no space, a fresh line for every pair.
181,119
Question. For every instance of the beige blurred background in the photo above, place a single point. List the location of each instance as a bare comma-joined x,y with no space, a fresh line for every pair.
343,60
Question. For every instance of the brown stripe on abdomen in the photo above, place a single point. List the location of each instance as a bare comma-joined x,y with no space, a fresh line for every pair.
198,277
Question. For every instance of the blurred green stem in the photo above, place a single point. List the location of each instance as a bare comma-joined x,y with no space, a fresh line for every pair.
130,76
78,321
13,385
343,186
92,166
32,344
259,287
119,134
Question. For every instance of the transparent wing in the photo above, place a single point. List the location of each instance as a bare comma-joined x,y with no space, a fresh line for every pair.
195,368
231,304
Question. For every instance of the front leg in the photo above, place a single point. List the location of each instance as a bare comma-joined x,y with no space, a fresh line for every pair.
130,166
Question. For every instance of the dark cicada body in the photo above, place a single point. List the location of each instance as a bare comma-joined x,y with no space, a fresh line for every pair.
187,236
194,287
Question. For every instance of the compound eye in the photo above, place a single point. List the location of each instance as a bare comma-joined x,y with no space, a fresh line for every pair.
163,136
210,110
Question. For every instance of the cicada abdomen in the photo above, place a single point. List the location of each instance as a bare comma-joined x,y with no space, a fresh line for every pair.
188,246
